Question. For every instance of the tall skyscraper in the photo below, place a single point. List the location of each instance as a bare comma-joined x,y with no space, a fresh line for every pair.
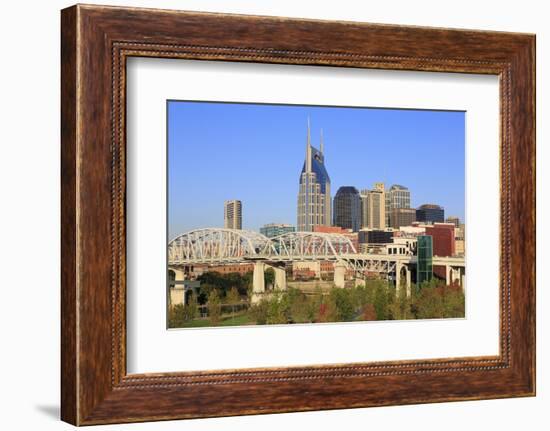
430,213
347,208
364,195
396,197
314,202
233,214
373,207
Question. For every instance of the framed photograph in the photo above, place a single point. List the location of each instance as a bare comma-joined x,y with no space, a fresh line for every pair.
265,215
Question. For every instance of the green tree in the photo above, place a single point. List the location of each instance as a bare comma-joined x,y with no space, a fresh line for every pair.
454,302
258,312
381,302
180,314
214,307
400,309
175,316
360,297
246,283
278,310
233,298
190,310
204,292
302,308
343,301
269,276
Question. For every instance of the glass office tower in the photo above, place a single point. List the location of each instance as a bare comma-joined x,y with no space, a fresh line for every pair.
424,265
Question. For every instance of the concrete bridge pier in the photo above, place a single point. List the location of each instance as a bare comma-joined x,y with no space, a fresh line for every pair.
397,278
340,274
398,268
280,278
408,280
453,274
258,278
177,293
459,275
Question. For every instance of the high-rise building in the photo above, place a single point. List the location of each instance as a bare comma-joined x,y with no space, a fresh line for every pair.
275,229
314,202
402,217
397,196
364,195
373,207
430,213
347,208
400,196
232,214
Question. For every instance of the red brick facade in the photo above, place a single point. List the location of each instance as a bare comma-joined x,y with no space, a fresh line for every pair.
443,236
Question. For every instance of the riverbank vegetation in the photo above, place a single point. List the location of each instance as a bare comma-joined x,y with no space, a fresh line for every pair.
226,304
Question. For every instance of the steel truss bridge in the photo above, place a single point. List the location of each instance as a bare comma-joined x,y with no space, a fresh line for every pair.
219,246
224,246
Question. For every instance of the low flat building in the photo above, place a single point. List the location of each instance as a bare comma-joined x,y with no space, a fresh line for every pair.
375,236
411,231
239,268
272,230
306,269
401,246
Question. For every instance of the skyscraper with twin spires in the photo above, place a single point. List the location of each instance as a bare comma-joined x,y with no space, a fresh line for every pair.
314,201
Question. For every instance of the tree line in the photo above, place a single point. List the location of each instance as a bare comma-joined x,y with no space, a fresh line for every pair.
376,300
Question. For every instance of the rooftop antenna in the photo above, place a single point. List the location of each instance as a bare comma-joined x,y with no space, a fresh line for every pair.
308,148
322,143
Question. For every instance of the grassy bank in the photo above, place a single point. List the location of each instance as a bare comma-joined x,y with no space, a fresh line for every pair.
377,300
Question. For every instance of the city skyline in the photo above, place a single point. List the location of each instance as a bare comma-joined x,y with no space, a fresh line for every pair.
254,153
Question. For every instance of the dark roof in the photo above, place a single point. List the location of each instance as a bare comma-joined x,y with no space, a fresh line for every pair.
347,190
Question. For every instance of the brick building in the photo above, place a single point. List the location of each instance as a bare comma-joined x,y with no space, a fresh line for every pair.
443,235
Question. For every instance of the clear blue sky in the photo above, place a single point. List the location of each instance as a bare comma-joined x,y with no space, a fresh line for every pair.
255,153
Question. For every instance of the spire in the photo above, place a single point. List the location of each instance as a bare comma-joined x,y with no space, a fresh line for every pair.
308,148
322,143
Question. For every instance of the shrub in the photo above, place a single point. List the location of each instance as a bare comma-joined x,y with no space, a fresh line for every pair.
277,310
258,312
179,314
301,308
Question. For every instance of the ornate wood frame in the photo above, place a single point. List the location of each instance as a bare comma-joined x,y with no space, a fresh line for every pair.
96,41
